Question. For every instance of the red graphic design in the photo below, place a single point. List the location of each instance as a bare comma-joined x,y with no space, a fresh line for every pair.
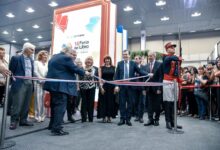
61,22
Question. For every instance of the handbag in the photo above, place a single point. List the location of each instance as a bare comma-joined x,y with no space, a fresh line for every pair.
47,100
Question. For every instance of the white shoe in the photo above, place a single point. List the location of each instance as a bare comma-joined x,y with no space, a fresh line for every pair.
38,119
42,119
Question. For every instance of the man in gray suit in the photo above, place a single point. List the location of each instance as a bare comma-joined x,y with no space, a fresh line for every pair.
21,90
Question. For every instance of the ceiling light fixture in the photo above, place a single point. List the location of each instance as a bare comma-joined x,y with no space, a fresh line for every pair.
169,33
160,3
192,31
196,14
30,10
216,29
39,37
137,22
26,39
36,26
53,4
165,18
13,41
19,30
128,8
190,3
5,32
10,15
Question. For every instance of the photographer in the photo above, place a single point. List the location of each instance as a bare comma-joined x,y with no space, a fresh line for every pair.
193,109
217,77
210,73
187,80
200,92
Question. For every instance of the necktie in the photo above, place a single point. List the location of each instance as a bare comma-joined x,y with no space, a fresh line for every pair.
126,70
151,67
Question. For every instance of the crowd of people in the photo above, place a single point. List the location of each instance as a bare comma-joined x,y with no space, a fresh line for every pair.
200,89
131,101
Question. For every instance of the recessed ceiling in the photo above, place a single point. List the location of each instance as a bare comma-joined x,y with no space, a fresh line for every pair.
179,13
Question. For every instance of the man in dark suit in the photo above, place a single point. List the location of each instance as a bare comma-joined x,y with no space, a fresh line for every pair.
139,94
154,93
126,69
21,90
61,66
71,102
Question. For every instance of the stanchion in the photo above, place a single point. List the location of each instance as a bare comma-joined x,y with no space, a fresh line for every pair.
175,130
5,144
210,103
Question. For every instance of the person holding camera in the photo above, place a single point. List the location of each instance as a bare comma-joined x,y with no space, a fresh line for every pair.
217,76
187,80
200,92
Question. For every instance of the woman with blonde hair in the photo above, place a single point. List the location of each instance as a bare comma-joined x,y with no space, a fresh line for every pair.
3,64
40,70
87,90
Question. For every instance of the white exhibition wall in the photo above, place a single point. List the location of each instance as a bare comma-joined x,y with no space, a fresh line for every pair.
84,35
195,47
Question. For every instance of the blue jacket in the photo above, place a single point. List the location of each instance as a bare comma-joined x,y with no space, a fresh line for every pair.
133,68
171,65
17,67
61,66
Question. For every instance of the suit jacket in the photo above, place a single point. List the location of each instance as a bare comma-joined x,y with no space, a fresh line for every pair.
140,79
133,68
158,76
62,66
17,67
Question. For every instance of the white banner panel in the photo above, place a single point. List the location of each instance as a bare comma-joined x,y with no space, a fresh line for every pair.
125,39
112,33
119,45
81,28
143,40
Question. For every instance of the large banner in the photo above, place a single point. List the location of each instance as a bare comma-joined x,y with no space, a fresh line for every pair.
81,28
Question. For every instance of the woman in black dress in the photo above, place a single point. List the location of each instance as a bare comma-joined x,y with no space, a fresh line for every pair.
106,103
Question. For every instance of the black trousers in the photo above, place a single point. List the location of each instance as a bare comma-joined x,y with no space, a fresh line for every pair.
78,99
193,108
169,111
125,102
2,91
58,108
71,105
154,103
139,103
87,106
218,101
183,99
